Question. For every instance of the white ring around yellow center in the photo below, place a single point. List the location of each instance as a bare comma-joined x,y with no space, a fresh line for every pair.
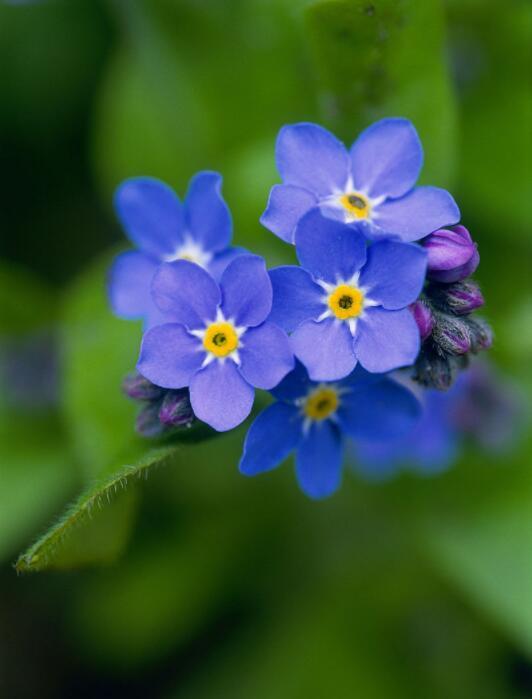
220,339
356,204
346,301
321,403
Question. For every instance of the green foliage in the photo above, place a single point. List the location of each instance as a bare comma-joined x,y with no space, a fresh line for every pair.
492,50
383,58
484,548
91,530
36,472
98,351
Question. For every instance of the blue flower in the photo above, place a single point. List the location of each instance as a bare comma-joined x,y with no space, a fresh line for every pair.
371,186
219,342
164,229
431,446
480,406
348,303
314,420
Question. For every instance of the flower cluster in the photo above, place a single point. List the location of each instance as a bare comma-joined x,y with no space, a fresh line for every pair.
381,285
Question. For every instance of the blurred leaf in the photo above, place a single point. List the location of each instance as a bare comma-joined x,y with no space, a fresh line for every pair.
385,58
26,303
485,550
44,82
36,469
95,528
36,475
339,628
98,351
160,596
490,47
150,117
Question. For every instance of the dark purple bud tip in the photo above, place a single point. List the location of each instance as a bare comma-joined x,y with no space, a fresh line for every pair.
139,388
148,423
452,254
459,298
451,334
175,410
423,317
481,334
434,370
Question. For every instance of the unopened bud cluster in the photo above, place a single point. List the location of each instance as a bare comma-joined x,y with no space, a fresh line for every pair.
443,313
162,410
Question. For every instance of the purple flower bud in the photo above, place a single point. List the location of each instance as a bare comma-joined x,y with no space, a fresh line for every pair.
481,334
464,297
452,254
175,409
423,317
459,298
451,334
148,423
139,388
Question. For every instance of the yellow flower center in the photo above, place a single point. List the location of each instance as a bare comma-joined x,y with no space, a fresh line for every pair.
220,339
356,204
321,403
346,301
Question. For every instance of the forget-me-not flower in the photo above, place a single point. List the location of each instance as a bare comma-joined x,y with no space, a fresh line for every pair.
164,229
314,420
220,342
348,303
371,186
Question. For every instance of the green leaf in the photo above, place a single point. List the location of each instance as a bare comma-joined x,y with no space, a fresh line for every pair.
485,550
493,48
82,534
385,58
36,469
36,475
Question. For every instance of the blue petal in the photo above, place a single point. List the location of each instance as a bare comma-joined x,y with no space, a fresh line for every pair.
296,297
129,284
272,436
325,348
319,460
286,205
187,292
308,156
207,215
422,211
220,396
246,291
169,356
387,158
329,250
294,386
394,273
151,215
378,411
221,260
430,447
266,356
386,340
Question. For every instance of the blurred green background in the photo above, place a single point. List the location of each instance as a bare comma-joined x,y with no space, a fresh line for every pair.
196,582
